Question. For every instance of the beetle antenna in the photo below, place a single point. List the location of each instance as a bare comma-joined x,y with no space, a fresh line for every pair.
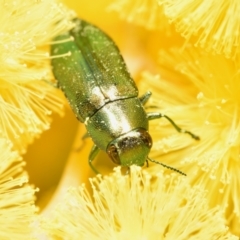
166,166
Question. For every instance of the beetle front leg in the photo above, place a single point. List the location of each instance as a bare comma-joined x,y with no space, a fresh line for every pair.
92,155
152,116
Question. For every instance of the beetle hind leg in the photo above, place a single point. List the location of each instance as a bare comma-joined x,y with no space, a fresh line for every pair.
94,151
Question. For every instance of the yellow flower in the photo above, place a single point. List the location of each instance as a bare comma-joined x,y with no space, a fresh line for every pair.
136,206
198,90
211,24
209,106
148,14
26,101
17,210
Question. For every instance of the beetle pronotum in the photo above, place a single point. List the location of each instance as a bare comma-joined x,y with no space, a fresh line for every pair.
103,96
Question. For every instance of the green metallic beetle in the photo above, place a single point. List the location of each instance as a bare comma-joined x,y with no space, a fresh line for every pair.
102,94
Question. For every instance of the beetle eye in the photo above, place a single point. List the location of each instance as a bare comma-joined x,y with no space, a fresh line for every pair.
113,154
145,137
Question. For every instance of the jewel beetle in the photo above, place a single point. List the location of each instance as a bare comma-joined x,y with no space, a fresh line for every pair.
92,74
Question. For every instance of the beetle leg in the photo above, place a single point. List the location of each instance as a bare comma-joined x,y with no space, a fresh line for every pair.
86,135
53,84
144,98
83,138
92,155
154,115
147,162
128,171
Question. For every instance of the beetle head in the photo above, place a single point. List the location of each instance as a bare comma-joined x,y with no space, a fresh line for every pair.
130,148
